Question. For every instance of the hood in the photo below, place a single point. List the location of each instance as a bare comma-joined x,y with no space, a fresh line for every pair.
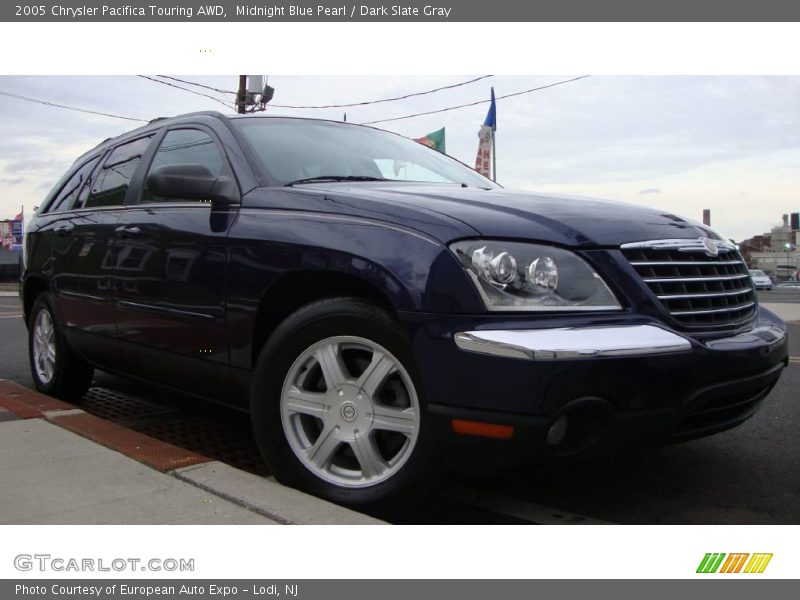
567,221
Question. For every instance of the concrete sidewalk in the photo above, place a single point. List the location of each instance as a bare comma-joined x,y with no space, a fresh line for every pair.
59,465
788,311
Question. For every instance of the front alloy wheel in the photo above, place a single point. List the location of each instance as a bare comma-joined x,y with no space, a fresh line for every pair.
349,411
338,410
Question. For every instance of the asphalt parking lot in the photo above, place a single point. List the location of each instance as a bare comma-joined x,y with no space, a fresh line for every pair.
750,475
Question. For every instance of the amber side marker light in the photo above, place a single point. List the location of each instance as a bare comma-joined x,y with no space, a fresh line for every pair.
478,428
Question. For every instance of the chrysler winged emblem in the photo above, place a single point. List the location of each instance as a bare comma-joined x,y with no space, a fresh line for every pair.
710,246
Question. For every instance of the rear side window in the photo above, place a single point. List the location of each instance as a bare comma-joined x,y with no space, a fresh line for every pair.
111,184
186,147
66,197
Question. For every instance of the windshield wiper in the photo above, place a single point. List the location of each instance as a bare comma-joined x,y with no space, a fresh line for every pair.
322,178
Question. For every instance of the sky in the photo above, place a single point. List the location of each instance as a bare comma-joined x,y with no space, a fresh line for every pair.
679,144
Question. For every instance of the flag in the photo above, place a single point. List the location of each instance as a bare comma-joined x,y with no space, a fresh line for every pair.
17,230
491,116
484,159
435,140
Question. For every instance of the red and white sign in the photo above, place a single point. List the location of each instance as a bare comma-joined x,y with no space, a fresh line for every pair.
483,162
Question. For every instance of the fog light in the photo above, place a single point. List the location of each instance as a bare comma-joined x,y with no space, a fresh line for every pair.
557,431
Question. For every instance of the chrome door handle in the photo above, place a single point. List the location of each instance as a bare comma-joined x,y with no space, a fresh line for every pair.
128,231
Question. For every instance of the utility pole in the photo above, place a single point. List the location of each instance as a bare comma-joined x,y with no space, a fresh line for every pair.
241,96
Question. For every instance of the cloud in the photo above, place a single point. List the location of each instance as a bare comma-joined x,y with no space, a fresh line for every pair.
12,180
30,164
705,139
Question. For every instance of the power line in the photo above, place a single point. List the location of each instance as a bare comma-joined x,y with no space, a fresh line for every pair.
202,85
364,103
75,108
225,104
441,110
348,105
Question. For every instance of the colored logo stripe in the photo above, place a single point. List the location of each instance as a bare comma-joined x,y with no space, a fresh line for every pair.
733,564
758,563
710,562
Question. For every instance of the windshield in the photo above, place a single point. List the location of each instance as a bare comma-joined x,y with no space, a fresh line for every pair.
292,150
757,273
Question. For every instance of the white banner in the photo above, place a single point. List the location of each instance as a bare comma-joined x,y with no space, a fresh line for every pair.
458,552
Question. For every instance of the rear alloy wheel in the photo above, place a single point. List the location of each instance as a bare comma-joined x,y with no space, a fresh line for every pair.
44,347
56,369
350,411
337,408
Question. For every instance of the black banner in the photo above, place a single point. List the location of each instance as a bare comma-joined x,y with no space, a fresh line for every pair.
405,11
396,589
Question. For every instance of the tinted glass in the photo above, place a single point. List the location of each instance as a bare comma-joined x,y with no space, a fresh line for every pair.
111,184
186,147
294,149
66,197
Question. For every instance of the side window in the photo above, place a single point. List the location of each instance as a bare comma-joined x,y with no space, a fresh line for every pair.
66,197
112,181
186,147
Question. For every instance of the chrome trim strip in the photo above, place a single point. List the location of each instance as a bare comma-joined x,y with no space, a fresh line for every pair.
695,279
687,313
161,309
739,292
685,244
126,207
685,263
83,296
571,343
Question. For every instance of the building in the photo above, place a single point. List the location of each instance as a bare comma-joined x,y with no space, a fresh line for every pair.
776,253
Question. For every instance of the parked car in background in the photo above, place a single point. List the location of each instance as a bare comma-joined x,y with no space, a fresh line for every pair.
378,307
789,285
761,280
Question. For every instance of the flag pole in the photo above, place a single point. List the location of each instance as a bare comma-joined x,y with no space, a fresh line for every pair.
494,139
494,154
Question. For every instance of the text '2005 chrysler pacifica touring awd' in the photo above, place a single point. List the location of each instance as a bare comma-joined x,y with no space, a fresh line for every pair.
378,306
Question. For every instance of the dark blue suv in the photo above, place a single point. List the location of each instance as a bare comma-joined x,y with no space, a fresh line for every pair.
378,306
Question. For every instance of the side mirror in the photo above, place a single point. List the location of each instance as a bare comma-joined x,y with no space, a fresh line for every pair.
192,182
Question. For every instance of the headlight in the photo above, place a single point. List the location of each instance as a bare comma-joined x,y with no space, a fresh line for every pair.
529,277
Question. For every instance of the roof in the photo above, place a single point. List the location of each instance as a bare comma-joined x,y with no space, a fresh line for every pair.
151,125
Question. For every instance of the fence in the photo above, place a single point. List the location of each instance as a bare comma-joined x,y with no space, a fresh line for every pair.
10,266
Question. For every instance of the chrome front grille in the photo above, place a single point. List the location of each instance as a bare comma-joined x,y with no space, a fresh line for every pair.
702,283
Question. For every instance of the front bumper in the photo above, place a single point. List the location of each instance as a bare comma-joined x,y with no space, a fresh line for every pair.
619,381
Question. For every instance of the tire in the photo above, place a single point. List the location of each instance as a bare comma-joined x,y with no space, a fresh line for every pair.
355,431
57,370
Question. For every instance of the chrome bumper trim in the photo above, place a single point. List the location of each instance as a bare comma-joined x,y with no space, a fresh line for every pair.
570,343
768,335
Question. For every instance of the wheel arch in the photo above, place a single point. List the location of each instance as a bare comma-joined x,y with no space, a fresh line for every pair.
32,287
297,289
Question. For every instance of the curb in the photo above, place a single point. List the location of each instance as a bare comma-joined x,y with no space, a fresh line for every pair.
257,494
